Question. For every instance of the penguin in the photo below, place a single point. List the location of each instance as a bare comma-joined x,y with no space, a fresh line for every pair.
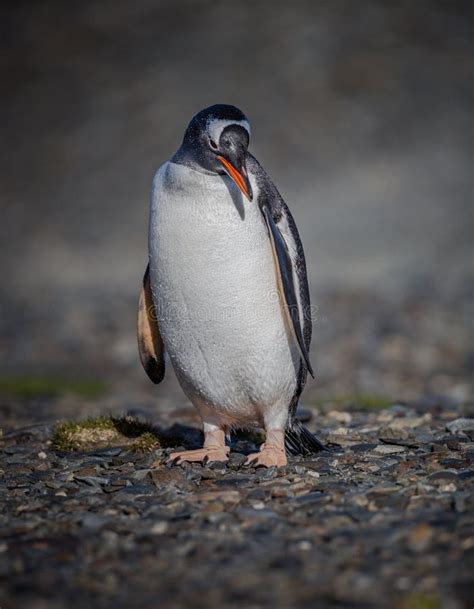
225,293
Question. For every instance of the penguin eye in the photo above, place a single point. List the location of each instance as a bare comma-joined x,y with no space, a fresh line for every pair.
213,145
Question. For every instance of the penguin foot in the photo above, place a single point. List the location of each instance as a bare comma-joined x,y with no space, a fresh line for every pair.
201,455
267,457
271,453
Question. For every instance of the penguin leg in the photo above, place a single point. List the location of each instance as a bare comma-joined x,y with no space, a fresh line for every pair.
272,452
214,448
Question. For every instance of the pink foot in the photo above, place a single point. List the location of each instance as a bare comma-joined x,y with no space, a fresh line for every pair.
271,453
267,457
201,455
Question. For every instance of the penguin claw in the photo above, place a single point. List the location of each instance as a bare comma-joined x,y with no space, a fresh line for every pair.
267,457
201,455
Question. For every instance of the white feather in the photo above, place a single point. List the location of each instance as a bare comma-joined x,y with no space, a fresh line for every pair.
214,284
216,126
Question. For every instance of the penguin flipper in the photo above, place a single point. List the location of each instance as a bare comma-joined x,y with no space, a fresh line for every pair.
150,343
285,267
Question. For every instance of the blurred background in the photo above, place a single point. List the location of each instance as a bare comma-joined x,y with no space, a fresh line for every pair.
362,114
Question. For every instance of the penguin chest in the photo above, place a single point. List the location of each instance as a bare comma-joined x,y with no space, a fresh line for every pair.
214,285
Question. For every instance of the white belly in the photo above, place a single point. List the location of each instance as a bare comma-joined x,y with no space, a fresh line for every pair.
214,284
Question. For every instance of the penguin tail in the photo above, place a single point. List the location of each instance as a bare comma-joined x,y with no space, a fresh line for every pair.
300,441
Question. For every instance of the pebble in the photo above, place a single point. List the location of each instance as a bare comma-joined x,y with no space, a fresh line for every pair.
448,488
389,449
340,416
159,528
443,476
460,425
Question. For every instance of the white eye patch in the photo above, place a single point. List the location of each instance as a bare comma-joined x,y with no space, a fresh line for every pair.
216,126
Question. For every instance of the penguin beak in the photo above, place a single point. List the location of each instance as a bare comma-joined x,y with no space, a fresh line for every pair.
240,178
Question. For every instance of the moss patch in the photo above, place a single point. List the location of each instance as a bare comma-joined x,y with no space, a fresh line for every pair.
146,443
371,402
27,387
105,432
420,601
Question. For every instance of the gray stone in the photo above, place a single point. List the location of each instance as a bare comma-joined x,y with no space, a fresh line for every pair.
443,476
389,449
460,425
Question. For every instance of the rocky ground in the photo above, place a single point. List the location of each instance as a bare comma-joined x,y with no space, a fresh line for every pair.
383,519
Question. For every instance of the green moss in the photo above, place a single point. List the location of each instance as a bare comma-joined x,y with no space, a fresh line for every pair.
146,443
104,432
420,600
371,402
49,386
130,426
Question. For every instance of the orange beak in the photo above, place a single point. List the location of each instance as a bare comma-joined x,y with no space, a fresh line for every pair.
240,179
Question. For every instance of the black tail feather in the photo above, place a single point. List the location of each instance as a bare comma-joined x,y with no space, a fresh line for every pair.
300,441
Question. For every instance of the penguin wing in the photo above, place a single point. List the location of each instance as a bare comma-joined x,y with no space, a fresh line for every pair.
289,256
150,343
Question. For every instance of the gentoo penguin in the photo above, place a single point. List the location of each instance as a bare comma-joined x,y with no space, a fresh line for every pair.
225,293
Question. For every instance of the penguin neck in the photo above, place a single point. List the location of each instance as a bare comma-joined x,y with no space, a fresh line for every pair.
186,155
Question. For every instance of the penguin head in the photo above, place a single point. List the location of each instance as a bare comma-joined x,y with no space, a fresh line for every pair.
216,141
